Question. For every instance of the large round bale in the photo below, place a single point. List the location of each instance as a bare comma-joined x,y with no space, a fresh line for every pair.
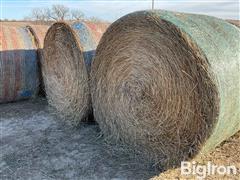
38,32
167,83
18,64
68,52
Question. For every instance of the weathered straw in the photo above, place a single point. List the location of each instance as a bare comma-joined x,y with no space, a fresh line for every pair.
167,83
68,52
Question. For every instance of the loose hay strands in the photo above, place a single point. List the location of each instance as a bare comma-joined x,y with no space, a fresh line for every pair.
167,84
38,33
18,64
68,52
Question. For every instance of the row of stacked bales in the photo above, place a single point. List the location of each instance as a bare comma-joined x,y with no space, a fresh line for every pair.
164,83
22,56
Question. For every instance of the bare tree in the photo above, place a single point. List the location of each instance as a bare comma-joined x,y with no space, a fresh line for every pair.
39,14
59,12
47,12
77,14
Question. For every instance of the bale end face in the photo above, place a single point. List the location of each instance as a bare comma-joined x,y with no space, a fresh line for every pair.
65,74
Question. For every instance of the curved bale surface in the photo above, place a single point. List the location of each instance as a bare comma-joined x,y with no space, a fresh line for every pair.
18,65
38,33
167,83
68,52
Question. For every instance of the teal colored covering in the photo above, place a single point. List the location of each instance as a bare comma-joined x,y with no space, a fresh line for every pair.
219,43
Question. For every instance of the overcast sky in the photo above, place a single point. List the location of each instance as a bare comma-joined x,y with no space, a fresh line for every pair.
113,9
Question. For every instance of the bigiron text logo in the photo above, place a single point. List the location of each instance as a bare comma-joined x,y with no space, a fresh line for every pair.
202,171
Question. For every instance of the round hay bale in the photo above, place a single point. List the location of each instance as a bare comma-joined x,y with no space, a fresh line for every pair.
18,65
38,32
167,83
68,52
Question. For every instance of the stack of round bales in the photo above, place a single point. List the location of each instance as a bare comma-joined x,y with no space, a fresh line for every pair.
167,83
18,64
68,53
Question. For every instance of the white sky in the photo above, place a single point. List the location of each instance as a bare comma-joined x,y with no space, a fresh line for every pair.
112,10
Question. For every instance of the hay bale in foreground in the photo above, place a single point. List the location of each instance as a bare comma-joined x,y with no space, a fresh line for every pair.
68,52
167,84
18,65
38,32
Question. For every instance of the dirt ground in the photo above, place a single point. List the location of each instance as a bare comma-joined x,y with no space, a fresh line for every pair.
36,144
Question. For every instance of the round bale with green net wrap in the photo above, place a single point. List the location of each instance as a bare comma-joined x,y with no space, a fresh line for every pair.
167,83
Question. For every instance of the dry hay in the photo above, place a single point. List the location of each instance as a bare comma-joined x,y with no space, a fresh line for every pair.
167,84
18,64
68,52
38,33
234,22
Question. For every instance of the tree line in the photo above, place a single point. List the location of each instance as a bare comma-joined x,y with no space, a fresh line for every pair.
57,13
